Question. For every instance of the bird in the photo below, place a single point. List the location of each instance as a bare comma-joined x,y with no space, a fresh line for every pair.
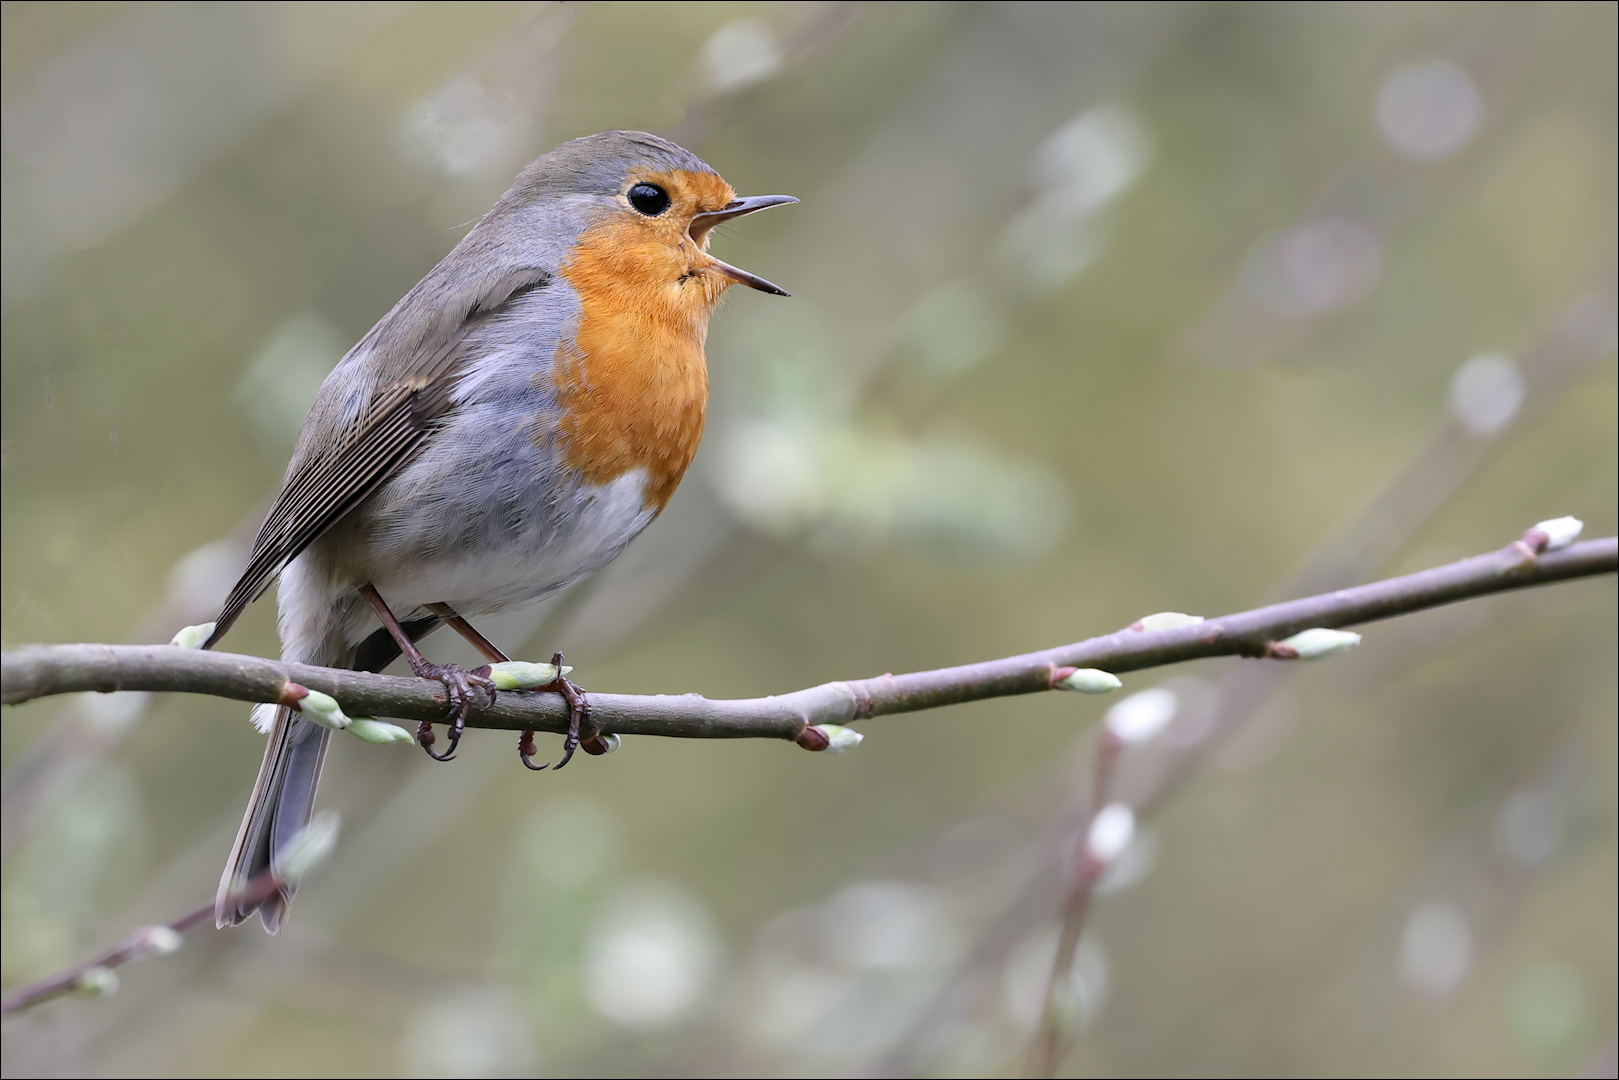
505,430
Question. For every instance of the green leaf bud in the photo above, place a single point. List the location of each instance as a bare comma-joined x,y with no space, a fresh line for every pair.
324,710
522,675
1166,620
839,738
1317,644
193,637
1090,681
378,733
97,982
308,848
159,941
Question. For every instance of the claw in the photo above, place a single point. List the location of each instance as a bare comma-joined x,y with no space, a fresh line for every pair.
526,750
458,683
568,746
425,739
578,718
455,743
578,712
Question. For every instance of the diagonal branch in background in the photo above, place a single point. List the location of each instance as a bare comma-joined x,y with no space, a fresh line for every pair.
94,976
1574,344
41,670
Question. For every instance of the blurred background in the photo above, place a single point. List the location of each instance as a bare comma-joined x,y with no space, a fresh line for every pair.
1098,310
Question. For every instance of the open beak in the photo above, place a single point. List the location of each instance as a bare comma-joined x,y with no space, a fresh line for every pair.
701,223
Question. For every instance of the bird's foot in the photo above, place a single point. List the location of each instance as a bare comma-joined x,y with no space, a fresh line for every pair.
580,731
458,687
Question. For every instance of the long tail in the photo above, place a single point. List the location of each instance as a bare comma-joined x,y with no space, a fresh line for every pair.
284,794
283,799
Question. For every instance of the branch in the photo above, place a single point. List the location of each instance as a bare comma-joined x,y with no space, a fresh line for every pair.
36,671
1059,1015
94,976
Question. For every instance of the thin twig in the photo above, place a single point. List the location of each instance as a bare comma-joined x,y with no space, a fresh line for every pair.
36,671
1564,355
147,941
1055,1035
43,670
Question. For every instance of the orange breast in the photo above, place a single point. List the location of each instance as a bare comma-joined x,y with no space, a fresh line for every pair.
633,385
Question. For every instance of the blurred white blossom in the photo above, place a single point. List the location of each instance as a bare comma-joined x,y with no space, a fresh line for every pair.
1092,159
740,53
651,955
1132,865
1110,832
1314,268
467,127
1143,715
1486,393
887,924
470,1032
1436,950
1427,111
1528,827
1078,172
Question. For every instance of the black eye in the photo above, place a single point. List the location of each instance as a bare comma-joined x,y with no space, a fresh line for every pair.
650,199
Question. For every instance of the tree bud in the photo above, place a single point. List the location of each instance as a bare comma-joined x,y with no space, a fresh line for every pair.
1089,681
323,710
813,739
522,675
193,637
833,738
378,733
1316,644
308,848
1559,532
1166,620
97,982
159,941
1110,833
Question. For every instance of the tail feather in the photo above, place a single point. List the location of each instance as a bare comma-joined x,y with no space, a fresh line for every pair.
284,795
282,801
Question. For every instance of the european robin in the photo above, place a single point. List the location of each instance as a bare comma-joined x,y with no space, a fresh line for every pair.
525,411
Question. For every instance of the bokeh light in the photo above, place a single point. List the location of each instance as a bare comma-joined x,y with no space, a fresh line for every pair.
1098,310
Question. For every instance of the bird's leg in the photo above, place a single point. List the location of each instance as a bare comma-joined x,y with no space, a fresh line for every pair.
490,651
458,682
578,720
578,704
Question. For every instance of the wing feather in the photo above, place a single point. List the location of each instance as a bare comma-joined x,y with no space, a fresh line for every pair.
326,484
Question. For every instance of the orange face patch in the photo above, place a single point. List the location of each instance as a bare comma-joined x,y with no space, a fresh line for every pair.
633,385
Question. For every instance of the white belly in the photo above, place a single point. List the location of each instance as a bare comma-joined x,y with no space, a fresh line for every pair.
489,566
528,566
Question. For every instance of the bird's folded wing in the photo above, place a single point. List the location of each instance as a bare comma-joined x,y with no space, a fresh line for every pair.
327,483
